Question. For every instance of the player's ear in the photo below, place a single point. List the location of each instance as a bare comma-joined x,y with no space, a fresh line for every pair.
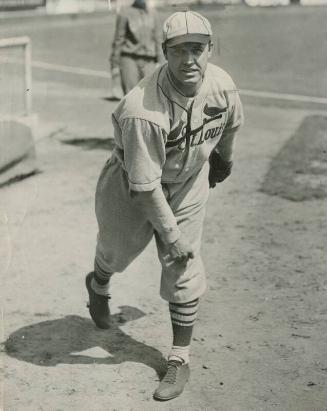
164,50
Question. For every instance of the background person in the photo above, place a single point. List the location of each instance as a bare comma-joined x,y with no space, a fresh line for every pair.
136,48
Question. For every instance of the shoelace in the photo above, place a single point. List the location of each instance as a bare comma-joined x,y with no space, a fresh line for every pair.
172,368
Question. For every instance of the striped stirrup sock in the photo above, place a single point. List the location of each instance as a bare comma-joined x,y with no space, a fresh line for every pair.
101,280
180,353
101,276
183,317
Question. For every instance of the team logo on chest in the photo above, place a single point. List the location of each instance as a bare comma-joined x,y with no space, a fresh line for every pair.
183,136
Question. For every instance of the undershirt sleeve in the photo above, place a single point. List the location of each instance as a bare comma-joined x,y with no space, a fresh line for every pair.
159,213
144,157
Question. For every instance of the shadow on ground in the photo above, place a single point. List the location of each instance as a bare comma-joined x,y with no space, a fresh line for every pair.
92,143
75,340
112,98
19,177
299,171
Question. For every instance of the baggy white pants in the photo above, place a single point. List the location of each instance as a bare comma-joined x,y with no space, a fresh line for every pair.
124,230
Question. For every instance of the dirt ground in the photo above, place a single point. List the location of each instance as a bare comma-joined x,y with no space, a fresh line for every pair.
260,342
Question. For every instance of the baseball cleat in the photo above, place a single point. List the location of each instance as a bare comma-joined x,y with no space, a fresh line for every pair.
98,305
173,383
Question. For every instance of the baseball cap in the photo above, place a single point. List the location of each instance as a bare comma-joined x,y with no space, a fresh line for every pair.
186,27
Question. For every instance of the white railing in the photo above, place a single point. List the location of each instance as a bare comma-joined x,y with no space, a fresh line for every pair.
24,42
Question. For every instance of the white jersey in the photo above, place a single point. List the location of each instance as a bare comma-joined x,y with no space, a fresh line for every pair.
163,136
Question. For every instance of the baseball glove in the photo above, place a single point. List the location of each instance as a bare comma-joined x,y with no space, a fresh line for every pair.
219,169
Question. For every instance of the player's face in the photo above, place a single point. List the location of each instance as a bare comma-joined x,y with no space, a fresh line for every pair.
187,64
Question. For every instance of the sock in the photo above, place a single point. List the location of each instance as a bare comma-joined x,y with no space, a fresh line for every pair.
183,317
101,280
101,289
180,353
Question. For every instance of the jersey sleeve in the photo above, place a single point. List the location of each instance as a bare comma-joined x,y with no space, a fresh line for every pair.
235,119
235,109
144,153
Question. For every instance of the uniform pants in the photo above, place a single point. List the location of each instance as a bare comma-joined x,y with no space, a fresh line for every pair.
124,230
133,69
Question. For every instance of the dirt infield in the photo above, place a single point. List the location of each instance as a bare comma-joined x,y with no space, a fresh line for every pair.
260,342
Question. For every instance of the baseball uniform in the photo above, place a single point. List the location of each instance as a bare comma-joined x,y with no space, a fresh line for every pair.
163,143
174,135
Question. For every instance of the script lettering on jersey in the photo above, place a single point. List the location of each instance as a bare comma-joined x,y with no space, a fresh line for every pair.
210,133
183,136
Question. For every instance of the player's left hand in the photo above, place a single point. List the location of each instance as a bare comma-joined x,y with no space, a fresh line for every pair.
219,169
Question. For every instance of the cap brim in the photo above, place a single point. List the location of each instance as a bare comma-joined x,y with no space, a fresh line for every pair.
188,38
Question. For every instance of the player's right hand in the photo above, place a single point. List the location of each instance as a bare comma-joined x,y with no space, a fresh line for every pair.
180,251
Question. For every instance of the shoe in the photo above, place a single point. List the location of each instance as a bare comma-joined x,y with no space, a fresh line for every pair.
98,305
173,383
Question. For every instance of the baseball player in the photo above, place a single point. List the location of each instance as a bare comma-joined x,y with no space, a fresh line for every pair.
174,135
136,48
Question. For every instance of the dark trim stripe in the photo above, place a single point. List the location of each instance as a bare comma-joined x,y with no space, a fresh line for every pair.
187,314
172,101
175,88
101,273
178,322
159,85
188,308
